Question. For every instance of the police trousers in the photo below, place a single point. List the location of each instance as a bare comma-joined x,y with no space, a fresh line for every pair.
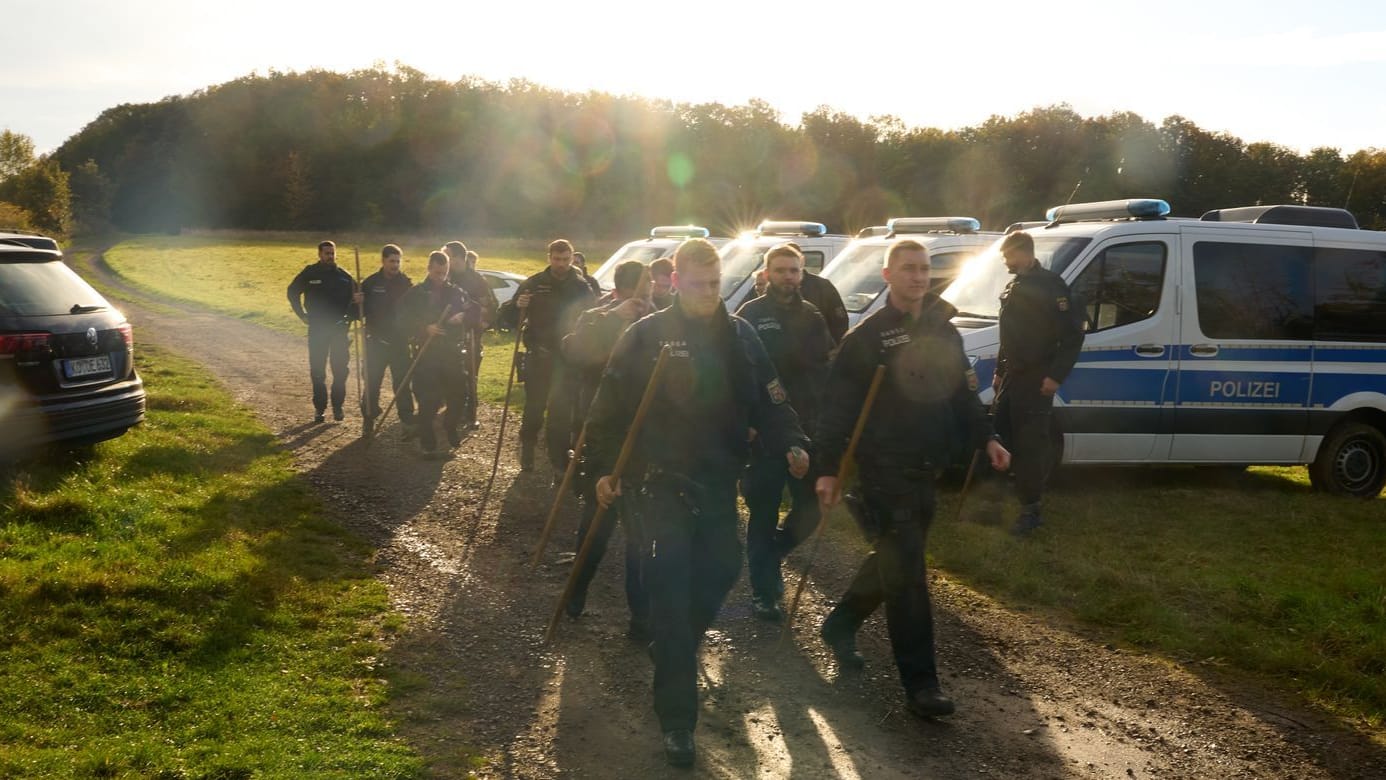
622,512
896,520
692,556
1023,420
381,355
440,379
766,545
328,342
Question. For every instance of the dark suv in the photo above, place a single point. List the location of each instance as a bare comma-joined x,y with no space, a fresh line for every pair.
67,371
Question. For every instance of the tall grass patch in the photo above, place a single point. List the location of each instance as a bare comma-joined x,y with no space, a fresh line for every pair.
1251,571
173,603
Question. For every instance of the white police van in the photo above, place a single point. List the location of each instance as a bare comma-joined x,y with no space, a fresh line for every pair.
662,242
856,271
743,257
1253,335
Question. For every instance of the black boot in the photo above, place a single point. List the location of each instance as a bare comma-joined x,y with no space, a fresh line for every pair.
679,749
844,647
1029,520
526,456
929,703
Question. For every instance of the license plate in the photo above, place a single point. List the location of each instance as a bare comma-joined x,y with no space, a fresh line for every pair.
77,367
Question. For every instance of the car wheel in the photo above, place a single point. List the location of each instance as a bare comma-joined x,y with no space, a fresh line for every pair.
1351,461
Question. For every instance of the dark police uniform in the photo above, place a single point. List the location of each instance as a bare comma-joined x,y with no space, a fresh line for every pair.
386,345
440,377
1041,336
928,386
325,290
718,383
553,309
586,351
821,293
798,342
479,292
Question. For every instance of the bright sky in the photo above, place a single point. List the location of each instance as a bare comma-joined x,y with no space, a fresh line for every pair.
1295,73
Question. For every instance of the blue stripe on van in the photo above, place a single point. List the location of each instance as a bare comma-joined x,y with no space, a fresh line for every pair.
1373,354
1086,383
1328,388
1206,384
1275,354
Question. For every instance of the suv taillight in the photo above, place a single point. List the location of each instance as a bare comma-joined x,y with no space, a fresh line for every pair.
127,334
12,344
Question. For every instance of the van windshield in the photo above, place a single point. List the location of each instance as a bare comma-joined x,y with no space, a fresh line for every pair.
977,290
856,273
740,259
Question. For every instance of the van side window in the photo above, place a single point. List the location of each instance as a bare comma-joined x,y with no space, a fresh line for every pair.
1253,291
813,261
1349,295
944,267
1121,285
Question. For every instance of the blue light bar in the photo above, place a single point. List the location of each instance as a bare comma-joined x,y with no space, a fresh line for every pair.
680,231
1134,208
790,228
901,225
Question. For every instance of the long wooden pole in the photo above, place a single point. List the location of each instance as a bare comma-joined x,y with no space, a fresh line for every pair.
403,384
505,412
627,447
841,475
360,324
558,497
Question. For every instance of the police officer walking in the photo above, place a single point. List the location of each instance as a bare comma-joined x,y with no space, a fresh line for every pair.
322,297
719,383
587,350
550,302
462,273
440,376
1041,337
928,389
387,346
798,342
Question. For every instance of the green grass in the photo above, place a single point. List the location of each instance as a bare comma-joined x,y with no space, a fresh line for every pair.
246,276
1248,571
173,603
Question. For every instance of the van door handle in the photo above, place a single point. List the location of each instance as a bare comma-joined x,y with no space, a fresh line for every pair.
1203,350
1150,350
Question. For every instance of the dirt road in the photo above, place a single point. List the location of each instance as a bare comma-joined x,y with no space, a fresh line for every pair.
477,693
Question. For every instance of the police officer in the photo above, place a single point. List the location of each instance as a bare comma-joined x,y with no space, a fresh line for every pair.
322,297
798,342
440,376
386,345
550,301
822,294
662,283
587,350
719,383
462,273
928,387
1041,336
580,261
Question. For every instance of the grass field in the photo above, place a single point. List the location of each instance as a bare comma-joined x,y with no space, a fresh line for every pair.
174,604
1241,572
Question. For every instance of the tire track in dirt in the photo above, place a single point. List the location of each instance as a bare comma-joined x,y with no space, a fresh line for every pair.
476,692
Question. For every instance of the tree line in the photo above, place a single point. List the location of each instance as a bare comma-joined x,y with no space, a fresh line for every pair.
392,148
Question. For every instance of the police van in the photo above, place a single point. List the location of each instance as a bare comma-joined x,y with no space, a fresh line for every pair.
856,272
662,242
1253,335
743,257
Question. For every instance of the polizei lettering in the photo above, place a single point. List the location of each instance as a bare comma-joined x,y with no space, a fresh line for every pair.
1244,389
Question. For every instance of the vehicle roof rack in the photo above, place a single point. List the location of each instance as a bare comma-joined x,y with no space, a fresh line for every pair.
1027,225
1304,216
910,225
27,238
873,231
1129,208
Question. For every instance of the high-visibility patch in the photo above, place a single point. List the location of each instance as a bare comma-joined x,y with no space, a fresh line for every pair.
972,383
1063,304
776,391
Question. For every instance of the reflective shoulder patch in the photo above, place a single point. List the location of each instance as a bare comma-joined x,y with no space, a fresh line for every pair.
776,391
972,383
1063,304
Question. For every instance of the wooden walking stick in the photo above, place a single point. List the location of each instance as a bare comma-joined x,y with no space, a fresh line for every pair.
505,412
972,467
360,323
407,374
626,447
558,497
841,475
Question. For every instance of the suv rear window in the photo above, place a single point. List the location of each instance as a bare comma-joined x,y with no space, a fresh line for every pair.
36,289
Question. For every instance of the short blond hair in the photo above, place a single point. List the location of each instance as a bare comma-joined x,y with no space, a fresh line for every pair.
695,252
904,245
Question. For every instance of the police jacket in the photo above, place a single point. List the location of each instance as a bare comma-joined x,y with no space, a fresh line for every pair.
554,307
927,398
324,290
821,293
718,383
383,294
422,306
798,342
478,291
1040,330
589,346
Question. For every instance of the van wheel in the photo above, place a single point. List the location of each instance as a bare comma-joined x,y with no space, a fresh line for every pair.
1351,461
